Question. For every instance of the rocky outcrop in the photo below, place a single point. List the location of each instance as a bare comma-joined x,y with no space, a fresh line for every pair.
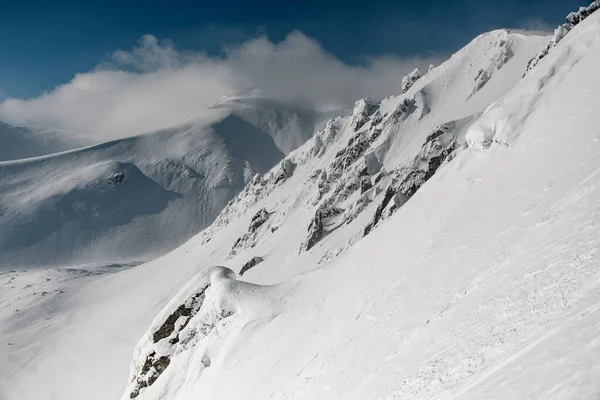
438,147
202,305
387,197
158,359
250,264
258,219
117,178
287,168
316,227
248,239
361,112
503,53
560,32
409,80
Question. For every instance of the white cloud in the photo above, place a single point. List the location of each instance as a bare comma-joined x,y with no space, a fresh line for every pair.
155,85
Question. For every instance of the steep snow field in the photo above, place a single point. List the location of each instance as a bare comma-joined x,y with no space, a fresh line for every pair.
134,199
438,244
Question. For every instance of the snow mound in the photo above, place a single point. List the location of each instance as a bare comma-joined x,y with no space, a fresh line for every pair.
193,330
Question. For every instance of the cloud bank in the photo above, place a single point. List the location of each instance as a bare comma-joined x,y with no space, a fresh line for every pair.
155,85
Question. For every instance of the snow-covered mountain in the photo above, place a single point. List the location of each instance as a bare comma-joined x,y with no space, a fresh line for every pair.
22,142
133,199
441,243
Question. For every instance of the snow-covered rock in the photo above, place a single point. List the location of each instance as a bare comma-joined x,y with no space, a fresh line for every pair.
410,79
561,31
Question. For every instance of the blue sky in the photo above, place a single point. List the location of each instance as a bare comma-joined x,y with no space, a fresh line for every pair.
45,43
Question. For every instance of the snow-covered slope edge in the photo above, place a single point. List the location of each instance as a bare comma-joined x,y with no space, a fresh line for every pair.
485,285
24,142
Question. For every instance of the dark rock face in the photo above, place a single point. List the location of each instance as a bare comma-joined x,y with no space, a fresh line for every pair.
573,19
438,147
576,17
250,264
258,220
117,178
155,365
365,184
409,80
402,110
481,79
184,310
357,145
387,197
316,228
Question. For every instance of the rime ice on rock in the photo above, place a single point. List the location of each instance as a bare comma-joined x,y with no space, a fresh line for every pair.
409,80
361,112
561,31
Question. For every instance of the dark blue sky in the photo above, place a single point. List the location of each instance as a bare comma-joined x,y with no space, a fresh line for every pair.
44,43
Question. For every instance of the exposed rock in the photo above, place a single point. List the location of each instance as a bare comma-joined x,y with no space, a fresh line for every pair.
316,228
250,263
316,231
154,365
410,79
365,184
247,239
361,112
389,195
402,111
117,178
483,76
504,55
573,19
357,145
438,147
258,219
287,168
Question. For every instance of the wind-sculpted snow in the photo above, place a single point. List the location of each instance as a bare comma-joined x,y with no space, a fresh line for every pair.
190,332
505,120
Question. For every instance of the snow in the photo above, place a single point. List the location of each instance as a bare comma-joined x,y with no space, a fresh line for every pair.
62,208
24,142
481,283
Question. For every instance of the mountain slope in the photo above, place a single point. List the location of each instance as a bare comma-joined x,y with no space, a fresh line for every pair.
305,212
21,142
130,199
483,285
